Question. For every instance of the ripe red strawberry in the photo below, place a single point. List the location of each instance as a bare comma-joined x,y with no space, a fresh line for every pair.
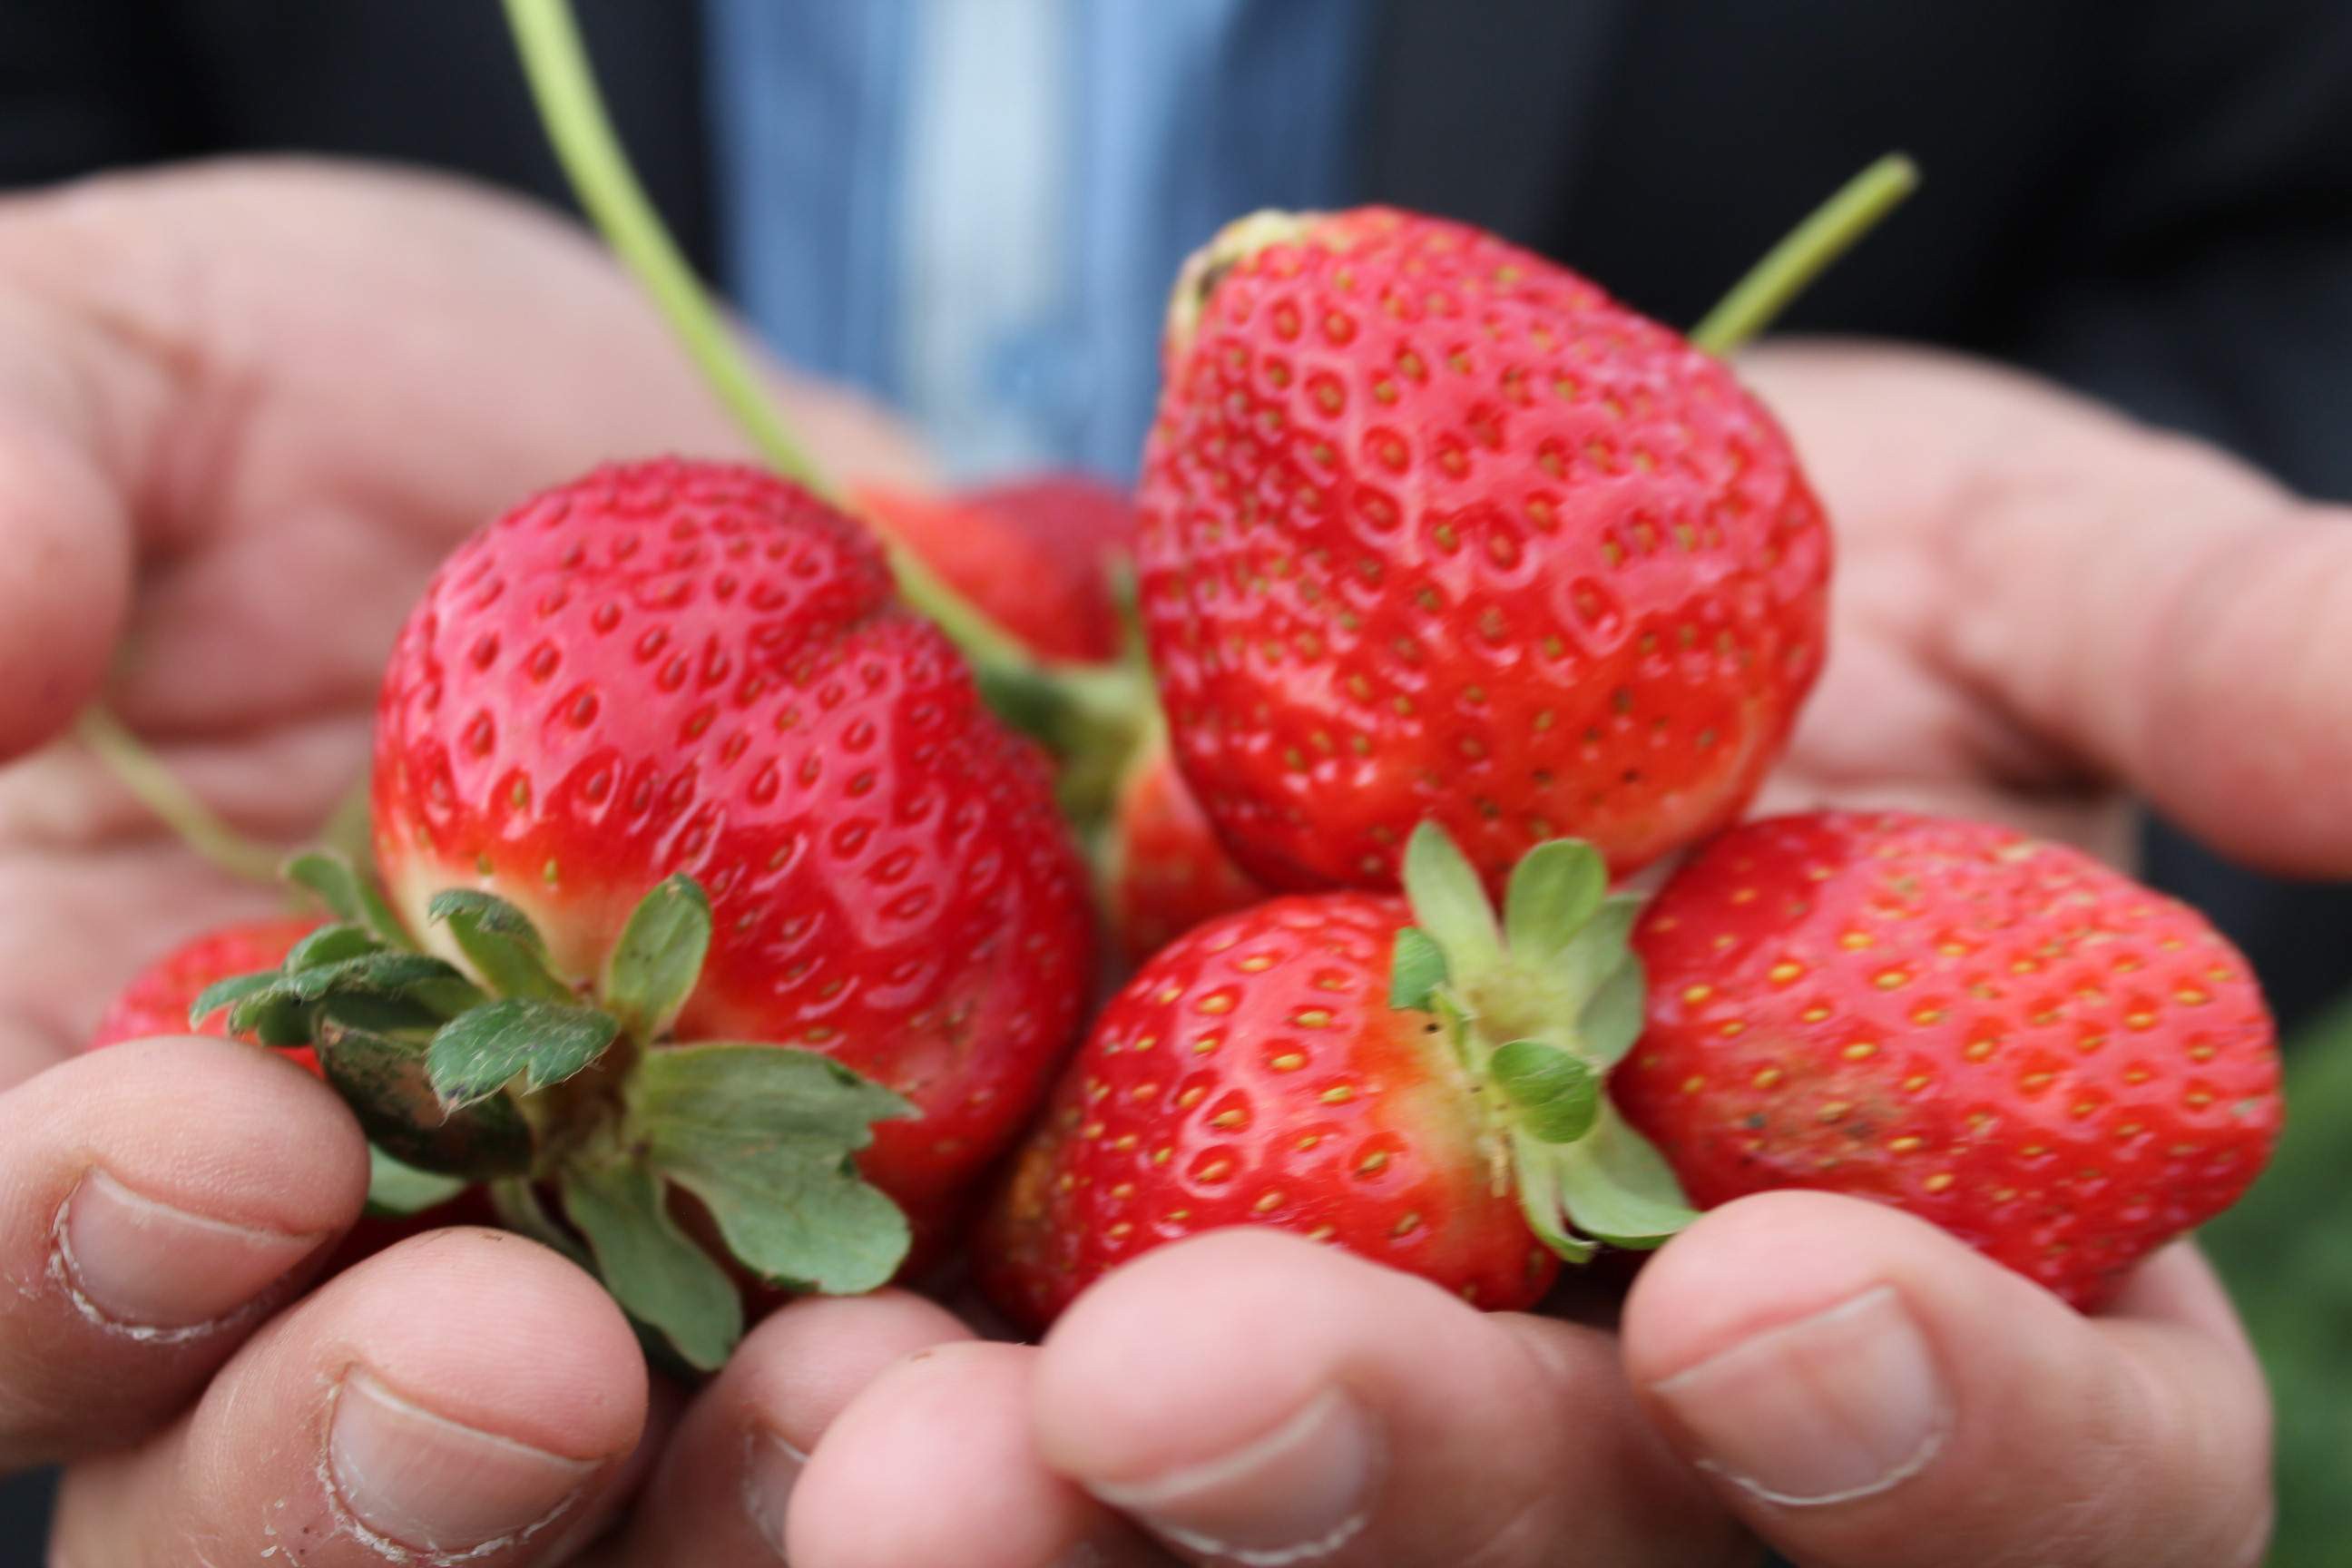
1052,597
676,668
1165,872
159,997
1423,1095
1071,513
2058,1065
1432,529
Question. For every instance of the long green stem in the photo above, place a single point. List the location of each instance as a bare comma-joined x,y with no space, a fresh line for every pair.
1807,251
573,112
563,84
197,826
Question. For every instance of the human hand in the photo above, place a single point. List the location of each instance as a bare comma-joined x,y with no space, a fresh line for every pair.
244,410
2039,608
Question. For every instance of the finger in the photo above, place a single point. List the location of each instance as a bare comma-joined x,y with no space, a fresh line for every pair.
156,1200
65,532
468,1395
1253,1397
2138,600
76,926
935,1462
720,1495
1867,1391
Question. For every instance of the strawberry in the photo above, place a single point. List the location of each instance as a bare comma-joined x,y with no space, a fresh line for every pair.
1434,529
1070,513
1165,872
1401,1077
728,880
157,999
1052,597
2006,1037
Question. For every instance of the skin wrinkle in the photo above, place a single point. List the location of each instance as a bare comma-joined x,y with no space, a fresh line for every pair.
2299,610
74,271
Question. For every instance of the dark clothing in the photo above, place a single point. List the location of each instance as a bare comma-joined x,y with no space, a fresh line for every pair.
2151,203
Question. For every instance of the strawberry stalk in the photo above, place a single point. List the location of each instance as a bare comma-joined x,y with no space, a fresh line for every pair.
198,826
1807,251
1077,710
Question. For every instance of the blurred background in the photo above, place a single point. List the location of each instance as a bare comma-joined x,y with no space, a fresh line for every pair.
970,211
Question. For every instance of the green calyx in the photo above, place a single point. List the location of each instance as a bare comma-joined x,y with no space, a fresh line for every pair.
505,1073
1538,1005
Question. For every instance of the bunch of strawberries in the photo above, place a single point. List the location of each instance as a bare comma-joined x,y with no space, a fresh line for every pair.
720,931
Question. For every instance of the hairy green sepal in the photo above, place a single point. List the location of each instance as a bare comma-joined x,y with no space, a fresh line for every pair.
573,1099
1538,1003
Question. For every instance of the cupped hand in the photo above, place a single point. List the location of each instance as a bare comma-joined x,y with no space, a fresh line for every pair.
244,410
2041,611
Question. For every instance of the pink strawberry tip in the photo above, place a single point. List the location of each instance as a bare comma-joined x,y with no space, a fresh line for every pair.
497,1069
1538,1005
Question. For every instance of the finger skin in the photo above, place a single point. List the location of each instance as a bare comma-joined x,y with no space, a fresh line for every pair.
718,1496
225,1174
501,1365
65,574
2127,601
2137,1440
1497,1439
935,1462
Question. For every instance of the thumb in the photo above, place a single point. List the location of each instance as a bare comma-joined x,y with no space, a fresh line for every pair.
1868,1393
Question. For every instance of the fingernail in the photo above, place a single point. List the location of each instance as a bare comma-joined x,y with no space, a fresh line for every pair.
1843,1405
771,1468
430,1484
1298,1493
152,1269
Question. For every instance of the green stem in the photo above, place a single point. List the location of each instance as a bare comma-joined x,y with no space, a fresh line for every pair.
573,113
563,84
1807,252
145,776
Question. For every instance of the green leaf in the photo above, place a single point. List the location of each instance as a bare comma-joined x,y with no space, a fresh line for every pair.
1615,1017
381,1075
1554,890
1599,947
1449,901
762,1135
1535,1164
395,1190
331,944
1558,1096
658,1275
655,965
349,830
281,1007
1616,1186
221,993
484,911
516,1200
479,1052
1417,969
348,894
500,942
